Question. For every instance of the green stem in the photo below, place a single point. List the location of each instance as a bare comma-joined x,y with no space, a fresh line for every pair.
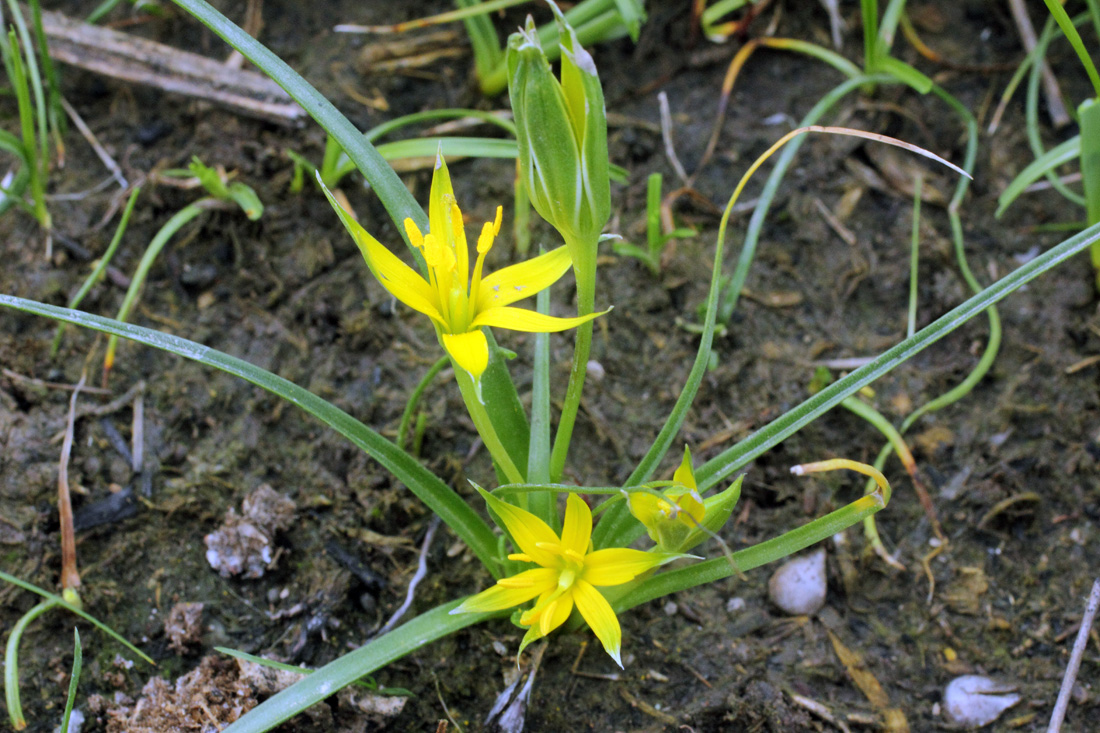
414,400
543,503
99,269
484,425
11,663
586,303
179,220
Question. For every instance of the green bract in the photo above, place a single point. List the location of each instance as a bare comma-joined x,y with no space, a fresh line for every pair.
561,127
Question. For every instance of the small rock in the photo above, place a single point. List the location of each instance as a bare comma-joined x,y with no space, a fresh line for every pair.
735,604
973,700
183,627
798,586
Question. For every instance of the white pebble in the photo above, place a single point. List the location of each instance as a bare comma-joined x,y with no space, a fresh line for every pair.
798,586
595,370
735,604
974,701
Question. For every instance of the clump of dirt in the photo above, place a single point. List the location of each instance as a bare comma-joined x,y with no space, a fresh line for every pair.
245,543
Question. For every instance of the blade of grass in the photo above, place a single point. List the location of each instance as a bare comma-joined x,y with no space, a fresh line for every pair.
736,457
99,269
423,629
74,680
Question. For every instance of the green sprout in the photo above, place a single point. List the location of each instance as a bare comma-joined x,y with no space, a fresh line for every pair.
1084,147
222,194
655,228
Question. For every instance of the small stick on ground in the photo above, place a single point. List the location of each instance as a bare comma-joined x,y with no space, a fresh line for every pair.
666,135
70,576
130,58
1079,645
104,156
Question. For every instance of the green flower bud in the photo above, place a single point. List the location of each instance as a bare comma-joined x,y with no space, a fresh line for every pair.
561,128
680,519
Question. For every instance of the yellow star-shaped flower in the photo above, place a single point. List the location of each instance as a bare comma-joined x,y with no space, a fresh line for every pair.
457,301
568,574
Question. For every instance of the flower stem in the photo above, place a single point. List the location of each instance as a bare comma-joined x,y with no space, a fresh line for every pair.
484,426
586,299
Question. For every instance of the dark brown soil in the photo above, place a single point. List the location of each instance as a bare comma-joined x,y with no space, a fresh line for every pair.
290,293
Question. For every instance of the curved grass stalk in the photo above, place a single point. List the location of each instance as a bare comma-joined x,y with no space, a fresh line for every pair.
736,282
178,221
1044,165
11,663
1031,110
11,656
774,549
435,494
100,267
616,528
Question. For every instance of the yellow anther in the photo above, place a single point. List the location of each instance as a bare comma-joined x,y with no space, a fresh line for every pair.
574,556
456,223
438,256
485,241
500,218
520,557
413,231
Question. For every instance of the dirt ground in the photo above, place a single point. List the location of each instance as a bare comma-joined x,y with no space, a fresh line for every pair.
1012,468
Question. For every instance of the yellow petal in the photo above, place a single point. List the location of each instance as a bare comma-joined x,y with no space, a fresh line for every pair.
555,614
577,526
520,319
597,612
530,637
684,475
618,565
646,507
470,350
527,530
692,509
496,598
522,280
402,282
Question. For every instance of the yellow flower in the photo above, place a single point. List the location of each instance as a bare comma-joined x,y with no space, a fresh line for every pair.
459,302
567,576
679,519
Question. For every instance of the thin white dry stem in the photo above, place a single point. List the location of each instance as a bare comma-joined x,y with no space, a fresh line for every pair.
1079,645
137,448
666,136
1055,106
421,571
104,156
